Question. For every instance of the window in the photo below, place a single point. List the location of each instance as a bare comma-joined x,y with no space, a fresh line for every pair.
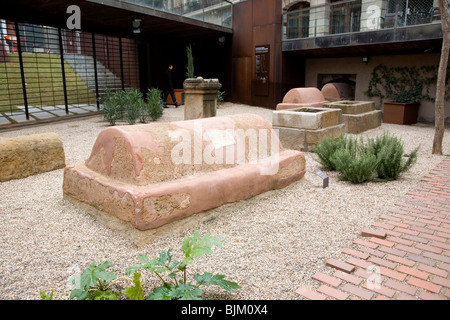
298,21
345,17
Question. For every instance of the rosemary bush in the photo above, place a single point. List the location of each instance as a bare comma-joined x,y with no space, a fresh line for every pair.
359,161
391,158
326,148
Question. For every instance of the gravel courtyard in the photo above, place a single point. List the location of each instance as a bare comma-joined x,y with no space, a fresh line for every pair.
274,242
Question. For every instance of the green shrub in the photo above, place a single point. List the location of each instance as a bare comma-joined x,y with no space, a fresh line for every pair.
130,105
132,101
357,169
391,158
112,108
327,147
353,160
380,159
121,101
220,97
142,106
155,105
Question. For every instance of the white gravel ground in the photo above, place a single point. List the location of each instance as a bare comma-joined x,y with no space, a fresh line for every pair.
274,242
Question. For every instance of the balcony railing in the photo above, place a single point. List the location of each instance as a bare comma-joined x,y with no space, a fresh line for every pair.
218,12
358,16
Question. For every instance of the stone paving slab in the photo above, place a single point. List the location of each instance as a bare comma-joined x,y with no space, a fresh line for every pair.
4,120
19,117
41,115
411,261
45,112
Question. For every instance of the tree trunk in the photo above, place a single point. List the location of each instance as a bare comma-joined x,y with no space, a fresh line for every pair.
440,86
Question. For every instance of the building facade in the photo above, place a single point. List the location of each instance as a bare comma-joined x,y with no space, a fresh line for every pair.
312,43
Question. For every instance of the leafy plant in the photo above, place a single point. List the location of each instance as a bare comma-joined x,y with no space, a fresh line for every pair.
94,276
379,159
404,84
220,97
190,62
356,169
112,108
155,105
327,147
130,105
142,106
96,283
132,99
176,287
391,158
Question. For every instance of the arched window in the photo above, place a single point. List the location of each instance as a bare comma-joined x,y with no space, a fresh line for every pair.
298,20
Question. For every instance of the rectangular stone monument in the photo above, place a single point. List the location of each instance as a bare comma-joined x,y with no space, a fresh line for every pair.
200,97
358,116
303,128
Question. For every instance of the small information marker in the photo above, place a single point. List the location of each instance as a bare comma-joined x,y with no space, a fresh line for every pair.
324,177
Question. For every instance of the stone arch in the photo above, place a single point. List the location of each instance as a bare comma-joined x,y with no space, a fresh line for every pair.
296,5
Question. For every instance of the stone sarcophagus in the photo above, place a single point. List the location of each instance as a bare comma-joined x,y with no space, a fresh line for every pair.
152,174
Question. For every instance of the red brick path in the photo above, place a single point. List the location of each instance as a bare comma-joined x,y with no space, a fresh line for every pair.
405,255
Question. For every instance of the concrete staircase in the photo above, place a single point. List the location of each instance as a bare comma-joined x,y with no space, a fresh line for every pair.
84,67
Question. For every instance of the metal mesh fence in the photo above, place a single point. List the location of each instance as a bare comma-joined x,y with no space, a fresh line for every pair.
357,15
47,72
399,13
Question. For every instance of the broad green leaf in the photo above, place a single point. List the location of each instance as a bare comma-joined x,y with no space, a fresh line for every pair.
136,292
45,296
147,264
185,291
163,263
102,295
218,280
144,259
89,279
197,246
160,293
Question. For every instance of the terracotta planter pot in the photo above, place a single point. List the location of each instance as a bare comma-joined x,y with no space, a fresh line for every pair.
400,113
179,95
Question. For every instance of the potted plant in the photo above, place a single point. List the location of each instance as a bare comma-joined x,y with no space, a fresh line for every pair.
403,86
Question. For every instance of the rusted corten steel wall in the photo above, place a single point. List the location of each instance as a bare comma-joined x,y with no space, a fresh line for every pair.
257,55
